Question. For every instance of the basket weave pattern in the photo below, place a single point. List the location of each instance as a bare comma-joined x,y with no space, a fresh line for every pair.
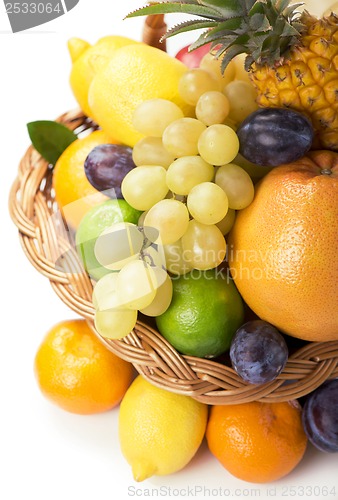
31,205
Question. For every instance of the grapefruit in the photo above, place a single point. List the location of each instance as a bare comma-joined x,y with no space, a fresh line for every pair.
282,250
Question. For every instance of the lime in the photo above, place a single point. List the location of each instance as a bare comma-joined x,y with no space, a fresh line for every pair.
205,312
94,223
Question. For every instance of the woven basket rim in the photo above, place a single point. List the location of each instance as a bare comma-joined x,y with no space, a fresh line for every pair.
31,204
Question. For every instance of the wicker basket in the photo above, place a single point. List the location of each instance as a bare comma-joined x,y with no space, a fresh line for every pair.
31,205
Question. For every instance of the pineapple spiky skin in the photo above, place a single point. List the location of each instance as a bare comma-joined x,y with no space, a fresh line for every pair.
307,80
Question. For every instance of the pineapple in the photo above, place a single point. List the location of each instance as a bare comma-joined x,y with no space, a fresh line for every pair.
292,57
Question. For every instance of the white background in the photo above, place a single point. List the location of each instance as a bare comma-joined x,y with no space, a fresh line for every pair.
47,453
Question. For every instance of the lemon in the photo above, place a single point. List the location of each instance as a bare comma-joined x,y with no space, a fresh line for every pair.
87,60
134,74
204,314
159,431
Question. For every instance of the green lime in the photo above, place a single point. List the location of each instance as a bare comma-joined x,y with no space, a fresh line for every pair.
205,312
91,226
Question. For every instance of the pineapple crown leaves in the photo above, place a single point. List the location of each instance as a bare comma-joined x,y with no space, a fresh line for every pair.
265,30
217,10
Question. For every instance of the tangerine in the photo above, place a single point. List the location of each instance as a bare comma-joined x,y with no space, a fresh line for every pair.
257,442
77,372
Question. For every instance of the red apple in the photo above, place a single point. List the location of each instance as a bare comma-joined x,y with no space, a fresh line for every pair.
192,59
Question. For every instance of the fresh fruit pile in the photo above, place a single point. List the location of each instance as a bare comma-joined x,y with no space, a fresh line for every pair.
188,203
203,194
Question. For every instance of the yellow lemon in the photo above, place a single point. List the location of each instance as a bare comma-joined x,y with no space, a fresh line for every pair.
87,60
159,431
134,74
70,182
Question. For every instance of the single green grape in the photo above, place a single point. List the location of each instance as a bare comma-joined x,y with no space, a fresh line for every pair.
117,245
163,295
180,138
144,186
242,97
174,259
150,151
225,225
115,323
207,203
212,107
170,218
237,185
218,144
136,285
212,65
104,293
203,246
186,172
151,117
194,83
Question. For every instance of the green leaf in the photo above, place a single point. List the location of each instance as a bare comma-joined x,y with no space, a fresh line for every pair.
50,138
249,4
282,4
172,7
188,26
217,53
230,54
227,8
201,40
258,22
295,6
257,41
248,62
299,27
232,25
257,8
225,40
289,30
270,12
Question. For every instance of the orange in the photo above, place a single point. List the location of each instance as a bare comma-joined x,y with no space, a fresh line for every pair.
257,442
76,372
282,250
70,181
